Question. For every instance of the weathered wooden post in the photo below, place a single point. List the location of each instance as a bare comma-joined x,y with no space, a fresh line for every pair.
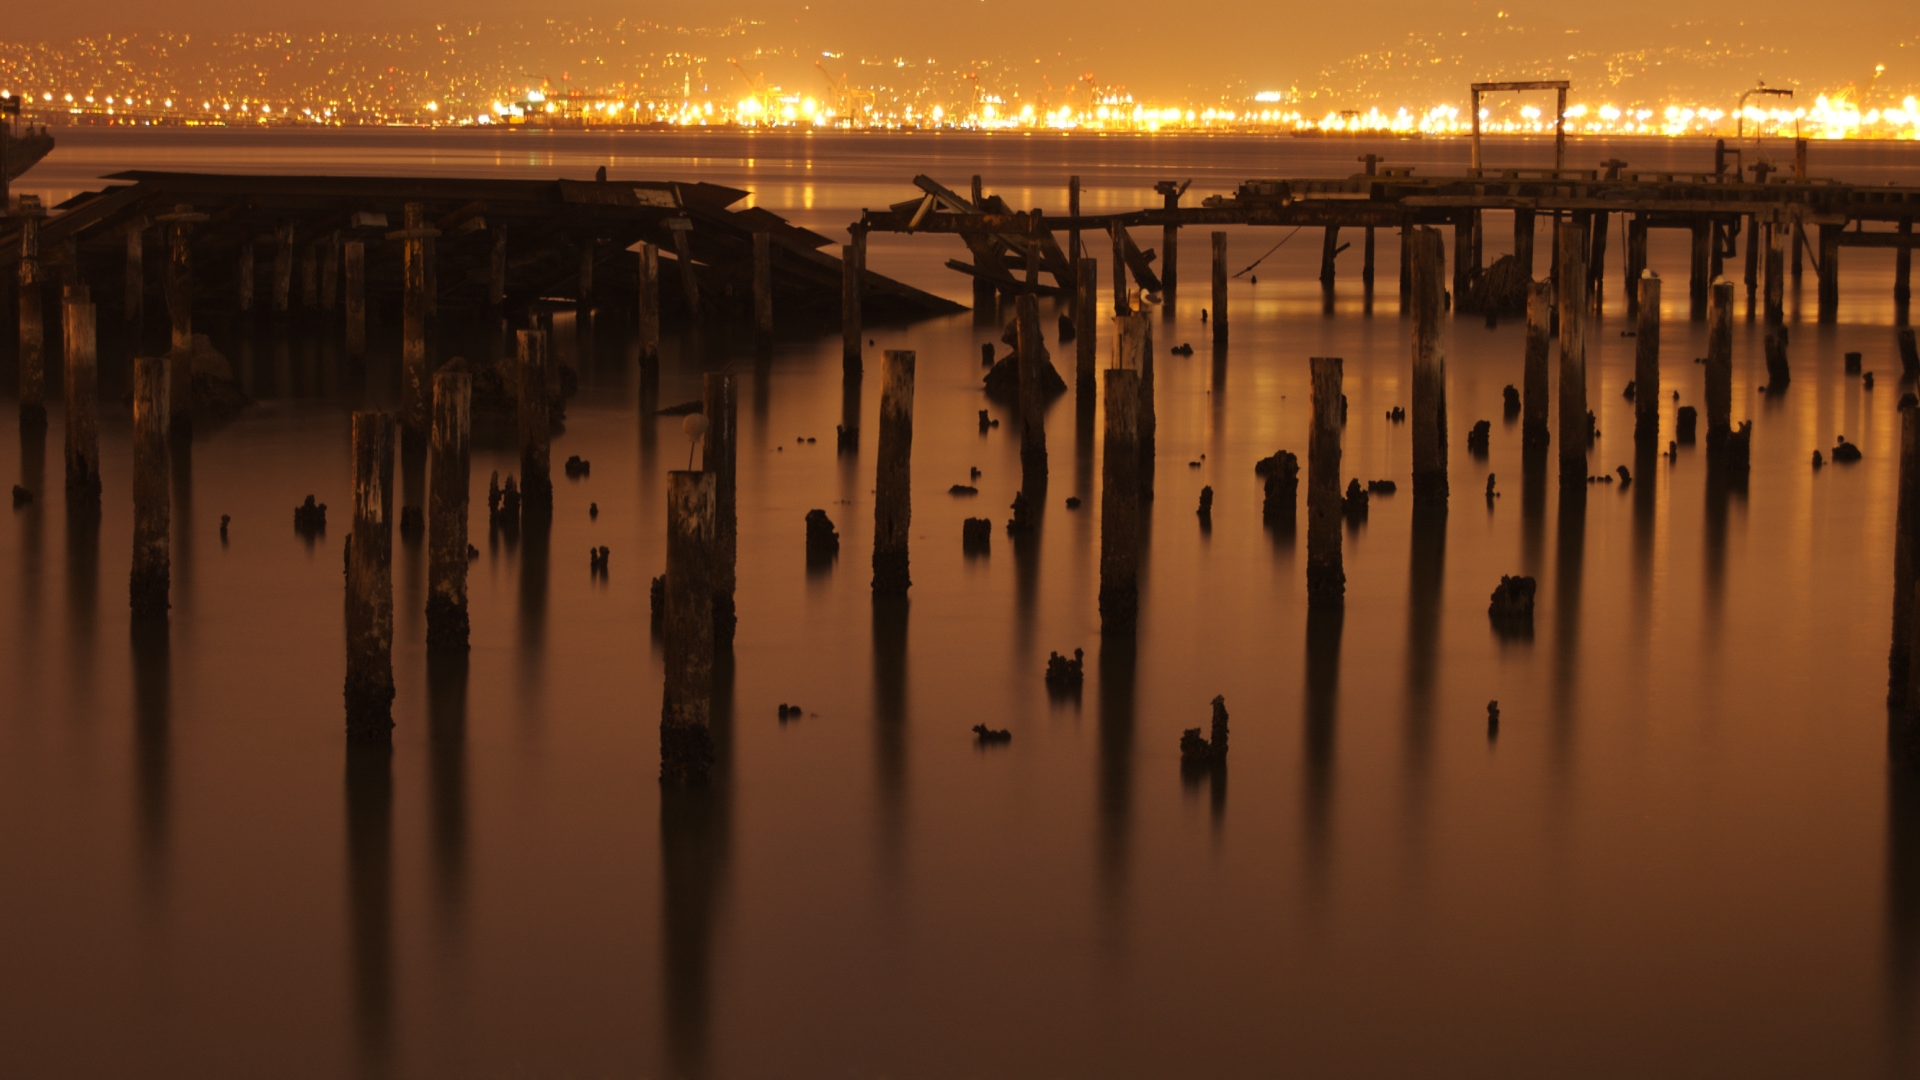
152,492
1523,239
649,315
1329,251
1086,318
1903,273
1574,429
1169,247
136,293
310,275
1754,244
356,280
82,386
1646,363
1719,366
245,275
1773,308
536,425
583,291
682,228
414,394
497,273
853,259
1597,265
447,625
1406,262
1906,533
1462,263
180,308
1133,350
1636,261
1033,430
1429,369
369,685
33,334
1701,274
1830,272
1326,578
686,740
763,288
1120,504
1533,373
1121,306
893,476
282,266
719,456
330,273
1073,232
1219,288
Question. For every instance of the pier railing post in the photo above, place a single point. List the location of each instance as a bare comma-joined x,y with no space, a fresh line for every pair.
152,490
536,424
447,497
686,707
82,393
1326,577
1574,429
1120,504
369,685
893,476
1646,363
1429,370
720,448
1523,239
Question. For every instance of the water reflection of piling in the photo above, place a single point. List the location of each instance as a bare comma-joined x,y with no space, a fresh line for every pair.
1569,566
1086,322
369,783
1906,554
890,725
1426,575
369,684
893,476
1118,676
694,844
31,354
853,259
1321,713
1326,576
447,674
152,502
1902,945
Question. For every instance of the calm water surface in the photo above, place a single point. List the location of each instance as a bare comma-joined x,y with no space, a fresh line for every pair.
1685,853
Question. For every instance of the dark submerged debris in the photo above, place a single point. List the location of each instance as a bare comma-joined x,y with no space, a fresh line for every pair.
1512,606
790,712
597,561
1182,349
1354,506
1381,487
1199,753
510,502
986,421
593,511
1073,502
657,599
1479,436
974,474
963,489
846,440
1740,451
21,496
1673,450
685,408
1853,363
1066,328
1626,477
1282,501
976,536
1065,674
1684,423
1022,522
823,542
225,520
1628,392
1491,493
1818,461
578,467
1003,379
1206,504
493,496
1844,451
1510,402
987,735
472,553
308,518
1866,381
1397,415
1593,427
986,354
1493,719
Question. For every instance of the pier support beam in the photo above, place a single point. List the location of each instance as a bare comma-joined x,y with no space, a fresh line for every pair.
686,706
1830,272
310,276
82,383
893,476
330,273
180,310
1719,367
1329,250
1326,577
414,392
1574,429
244,272
1429,370
1636,261
1903,274
536,425
1462,263
1121,306
1906,554
448,484
369,688
1533,374
1597,265
152,491
282,266
1033,428
497,271
1646,363
1169,249
1523,239
1120,504
1773,311
1219,288
719,459
1701,274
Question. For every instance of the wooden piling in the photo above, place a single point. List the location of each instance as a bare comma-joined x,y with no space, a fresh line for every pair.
1906,534
719,459
1533,373
1462,263
1120,504
648,329
1573,352
1523,239
1406,262
282,266
152,490
1033,430
1903,273
1754,245
1085,321
1329,250
686,738
180,309
448,485
1829,269
1120,304
1326,577
136,291
1773,313
414,402
82,387
310,276
763,288
1219,288
893,476
853,259
369,685
33,334
1133,350
356,282
330,273
245,276
536,425
1429,369
1170,259
1646,363
497,274
1597,265
1701,273
1636,261
1719,365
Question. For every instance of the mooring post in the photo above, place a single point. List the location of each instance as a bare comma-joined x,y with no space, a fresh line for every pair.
1719,366
853,259
152,490
1906,524
1219,288
720,450
686,706
414,403
310,275
1701,273
1830,272
1120,504
245,275
82,386
1329,250
763,288
1120,304
1326,577
1429,370
1533,373
1636,261
330,273
447,626
356,281
33,334
1574,429
369,686
1086,318
136,293
1903,273
536,424
1523,239
893,475
649,314
1646,363
1033,429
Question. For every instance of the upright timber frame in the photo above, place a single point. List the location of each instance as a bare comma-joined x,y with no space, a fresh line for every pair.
1559,115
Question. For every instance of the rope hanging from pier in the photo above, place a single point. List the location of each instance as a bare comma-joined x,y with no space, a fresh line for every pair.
1270,251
